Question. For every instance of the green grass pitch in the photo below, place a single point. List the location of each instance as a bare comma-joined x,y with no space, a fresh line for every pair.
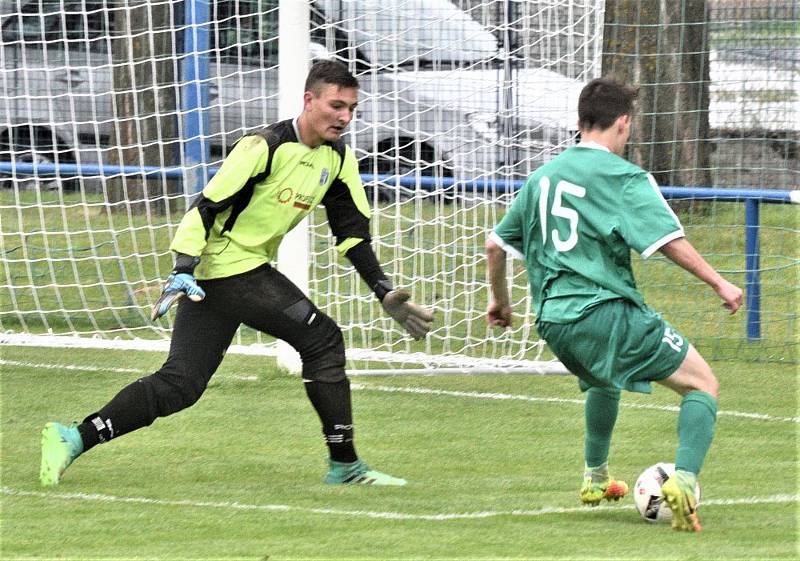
493,464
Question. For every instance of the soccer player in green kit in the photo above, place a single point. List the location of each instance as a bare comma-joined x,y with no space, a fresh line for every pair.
574,223
224,245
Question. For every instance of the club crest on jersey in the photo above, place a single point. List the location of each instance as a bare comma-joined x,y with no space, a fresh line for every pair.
324,176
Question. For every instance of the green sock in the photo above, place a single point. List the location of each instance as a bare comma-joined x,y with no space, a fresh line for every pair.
602,406
696,421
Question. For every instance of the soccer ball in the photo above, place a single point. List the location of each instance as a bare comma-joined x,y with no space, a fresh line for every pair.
647,493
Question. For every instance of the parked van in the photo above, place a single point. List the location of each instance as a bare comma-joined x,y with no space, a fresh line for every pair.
441,98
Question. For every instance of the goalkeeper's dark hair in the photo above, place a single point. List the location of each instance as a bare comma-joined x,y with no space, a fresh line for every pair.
329,72
603,101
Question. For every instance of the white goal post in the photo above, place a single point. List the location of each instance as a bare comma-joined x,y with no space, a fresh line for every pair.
100,142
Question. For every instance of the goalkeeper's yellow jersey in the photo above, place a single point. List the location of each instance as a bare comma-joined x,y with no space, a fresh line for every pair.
268,183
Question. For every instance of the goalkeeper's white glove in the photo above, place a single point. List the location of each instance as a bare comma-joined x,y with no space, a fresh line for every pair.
179,283
414,319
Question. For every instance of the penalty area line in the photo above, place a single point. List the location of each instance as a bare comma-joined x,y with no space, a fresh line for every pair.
226,505
107,369
513,397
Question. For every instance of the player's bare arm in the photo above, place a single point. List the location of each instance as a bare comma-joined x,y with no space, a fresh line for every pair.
498,312
683,253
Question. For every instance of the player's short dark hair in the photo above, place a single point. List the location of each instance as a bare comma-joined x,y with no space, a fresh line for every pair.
329,72
603,101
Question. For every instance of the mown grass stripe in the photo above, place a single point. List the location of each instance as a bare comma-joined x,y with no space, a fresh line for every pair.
421,391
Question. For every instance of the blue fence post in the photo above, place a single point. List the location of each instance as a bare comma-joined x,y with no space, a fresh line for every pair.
196,148
752,268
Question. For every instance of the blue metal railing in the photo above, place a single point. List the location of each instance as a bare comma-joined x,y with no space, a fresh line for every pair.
752,198
425,182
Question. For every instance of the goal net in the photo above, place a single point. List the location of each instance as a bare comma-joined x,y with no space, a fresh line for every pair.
114,113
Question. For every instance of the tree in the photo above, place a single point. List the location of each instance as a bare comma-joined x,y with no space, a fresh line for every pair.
144,103
663,47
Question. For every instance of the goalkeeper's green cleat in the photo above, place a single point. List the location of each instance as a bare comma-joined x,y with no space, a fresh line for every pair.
358,473
60,446
678,492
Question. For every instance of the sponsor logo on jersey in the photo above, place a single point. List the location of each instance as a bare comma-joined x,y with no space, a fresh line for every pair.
323,178
303,202
285,195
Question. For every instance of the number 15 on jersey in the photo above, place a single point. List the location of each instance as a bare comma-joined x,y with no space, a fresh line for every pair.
564,189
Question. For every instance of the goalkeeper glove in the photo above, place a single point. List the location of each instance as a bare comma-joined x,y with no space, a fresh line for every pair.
414,319
180,282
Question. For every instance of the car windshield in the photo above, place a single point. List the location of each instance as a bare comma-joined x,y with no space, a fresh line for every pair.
426,31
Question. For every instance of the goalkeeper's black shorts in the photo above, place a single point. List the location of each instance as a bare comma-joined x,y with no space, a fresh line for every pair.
265,300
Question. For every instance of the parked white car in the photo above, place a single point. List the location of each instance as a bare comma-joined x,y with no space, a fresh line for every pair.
439,96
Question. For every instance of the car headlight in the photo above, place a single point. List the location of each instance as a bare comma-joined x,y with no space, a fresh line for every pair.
485,126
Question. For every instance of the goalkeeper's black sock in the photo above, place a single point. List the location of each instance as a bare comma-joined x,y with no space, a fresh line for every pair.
127,411
332,403
89,435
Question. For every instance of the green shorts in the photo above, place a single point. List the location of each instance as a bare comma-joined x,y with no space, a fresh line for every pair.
617,344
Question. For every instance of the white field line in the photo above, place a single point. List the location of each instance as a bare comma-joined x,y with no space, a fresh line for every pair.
546,510
105,369
421,391
512,397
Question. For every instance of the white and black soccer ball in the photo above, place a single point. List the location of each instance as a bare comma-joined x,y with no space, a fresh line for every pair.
647,493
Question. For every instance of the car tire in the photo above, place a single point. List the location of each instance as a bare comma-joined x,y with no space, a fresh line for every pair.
29,144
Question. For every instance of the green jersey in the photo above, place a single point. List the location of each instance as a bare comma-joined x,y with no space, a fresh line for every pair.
575,221
268,183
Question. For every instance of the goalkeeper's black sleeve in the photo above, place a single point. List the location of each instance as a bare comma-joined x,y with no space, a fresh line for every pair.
366,263
185,263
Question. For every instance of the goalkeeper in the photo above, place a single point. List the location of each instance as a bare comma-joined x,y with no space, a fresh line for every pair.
575,222
224,244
